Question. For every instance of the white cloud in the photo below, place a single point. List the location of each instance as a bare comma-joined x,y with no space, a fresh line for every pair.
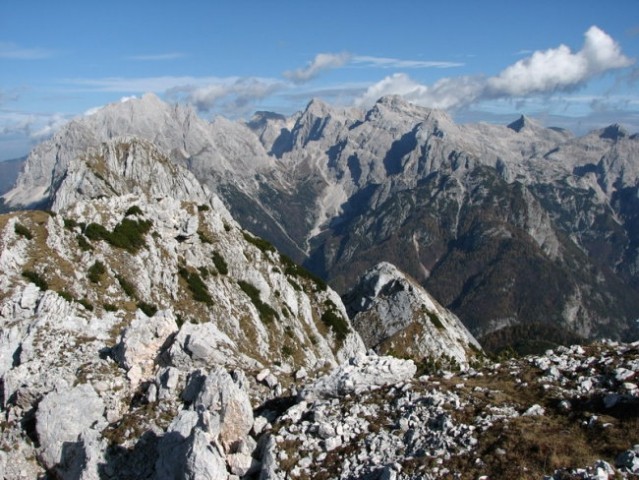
11,51
384,62
233,95
159,57
447,93
34,126
321,62
136,85
559,68
544,72
52,125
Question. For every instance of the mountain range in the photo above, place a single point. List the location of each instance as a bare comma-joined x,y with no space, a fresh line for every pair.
525,232
148,334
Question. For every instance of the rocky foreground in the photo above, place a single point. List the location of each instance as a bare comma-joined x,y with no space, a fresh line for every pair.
572,413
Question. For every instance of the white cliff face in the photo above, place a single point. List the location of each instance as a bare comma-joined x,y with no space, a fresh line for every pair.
394,314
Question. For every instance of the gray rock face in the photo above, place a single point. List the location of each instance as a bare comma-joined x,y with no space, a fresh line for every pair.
187,450
504,225
229,399
393,313
141,341
118,302
68,425
363,374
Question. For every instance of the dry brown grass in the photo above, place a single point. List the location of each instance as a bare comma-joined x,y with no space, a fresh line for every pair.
531,447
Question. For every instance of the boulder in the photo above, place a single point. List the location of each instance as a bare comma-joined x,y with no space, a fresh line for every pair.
68,424
141,342
221,394
187,450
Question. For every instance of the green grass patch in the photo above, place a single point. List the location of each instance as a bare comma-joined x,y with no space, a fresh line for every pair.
96,271
148,308
335,321
263,245
127,286
96,232
23,231
83,243
37,279
220,263
197,286
133,210
287,351
70,224
435,320
109,307
293,269
86,304
267,313
204,238
67,296
128,234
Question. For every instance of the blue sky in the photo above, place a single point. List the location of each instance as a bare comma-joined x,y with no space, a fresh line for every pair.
567,63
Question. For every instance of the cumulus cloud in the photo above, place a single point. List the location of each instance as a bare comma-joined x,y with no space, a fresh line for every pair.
543,72
559,68
34,126
321,62
52,125
446,93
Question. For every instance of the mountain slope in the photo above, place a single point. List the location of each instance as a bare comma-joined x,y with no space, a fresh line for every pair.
505,225
395,315
123,313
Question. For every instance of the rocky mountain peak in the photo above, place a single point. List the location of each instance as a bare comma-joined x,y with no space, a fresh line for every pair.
394,314
318,108
126,165
519,124
260,119
613,132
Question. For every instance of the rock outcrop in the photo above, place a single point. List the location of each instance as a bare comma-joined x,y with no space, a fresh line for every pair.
394,314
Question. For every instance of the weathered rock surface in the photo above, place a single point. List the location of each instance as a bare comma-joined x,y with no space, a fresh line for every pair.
491,422
121,315
68,424
394,314
362,374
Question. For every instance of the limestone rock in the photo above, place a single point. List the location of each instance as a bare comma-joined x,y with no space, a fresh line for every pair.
363,374
140,343
394,313
68,425
187,449
227,397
